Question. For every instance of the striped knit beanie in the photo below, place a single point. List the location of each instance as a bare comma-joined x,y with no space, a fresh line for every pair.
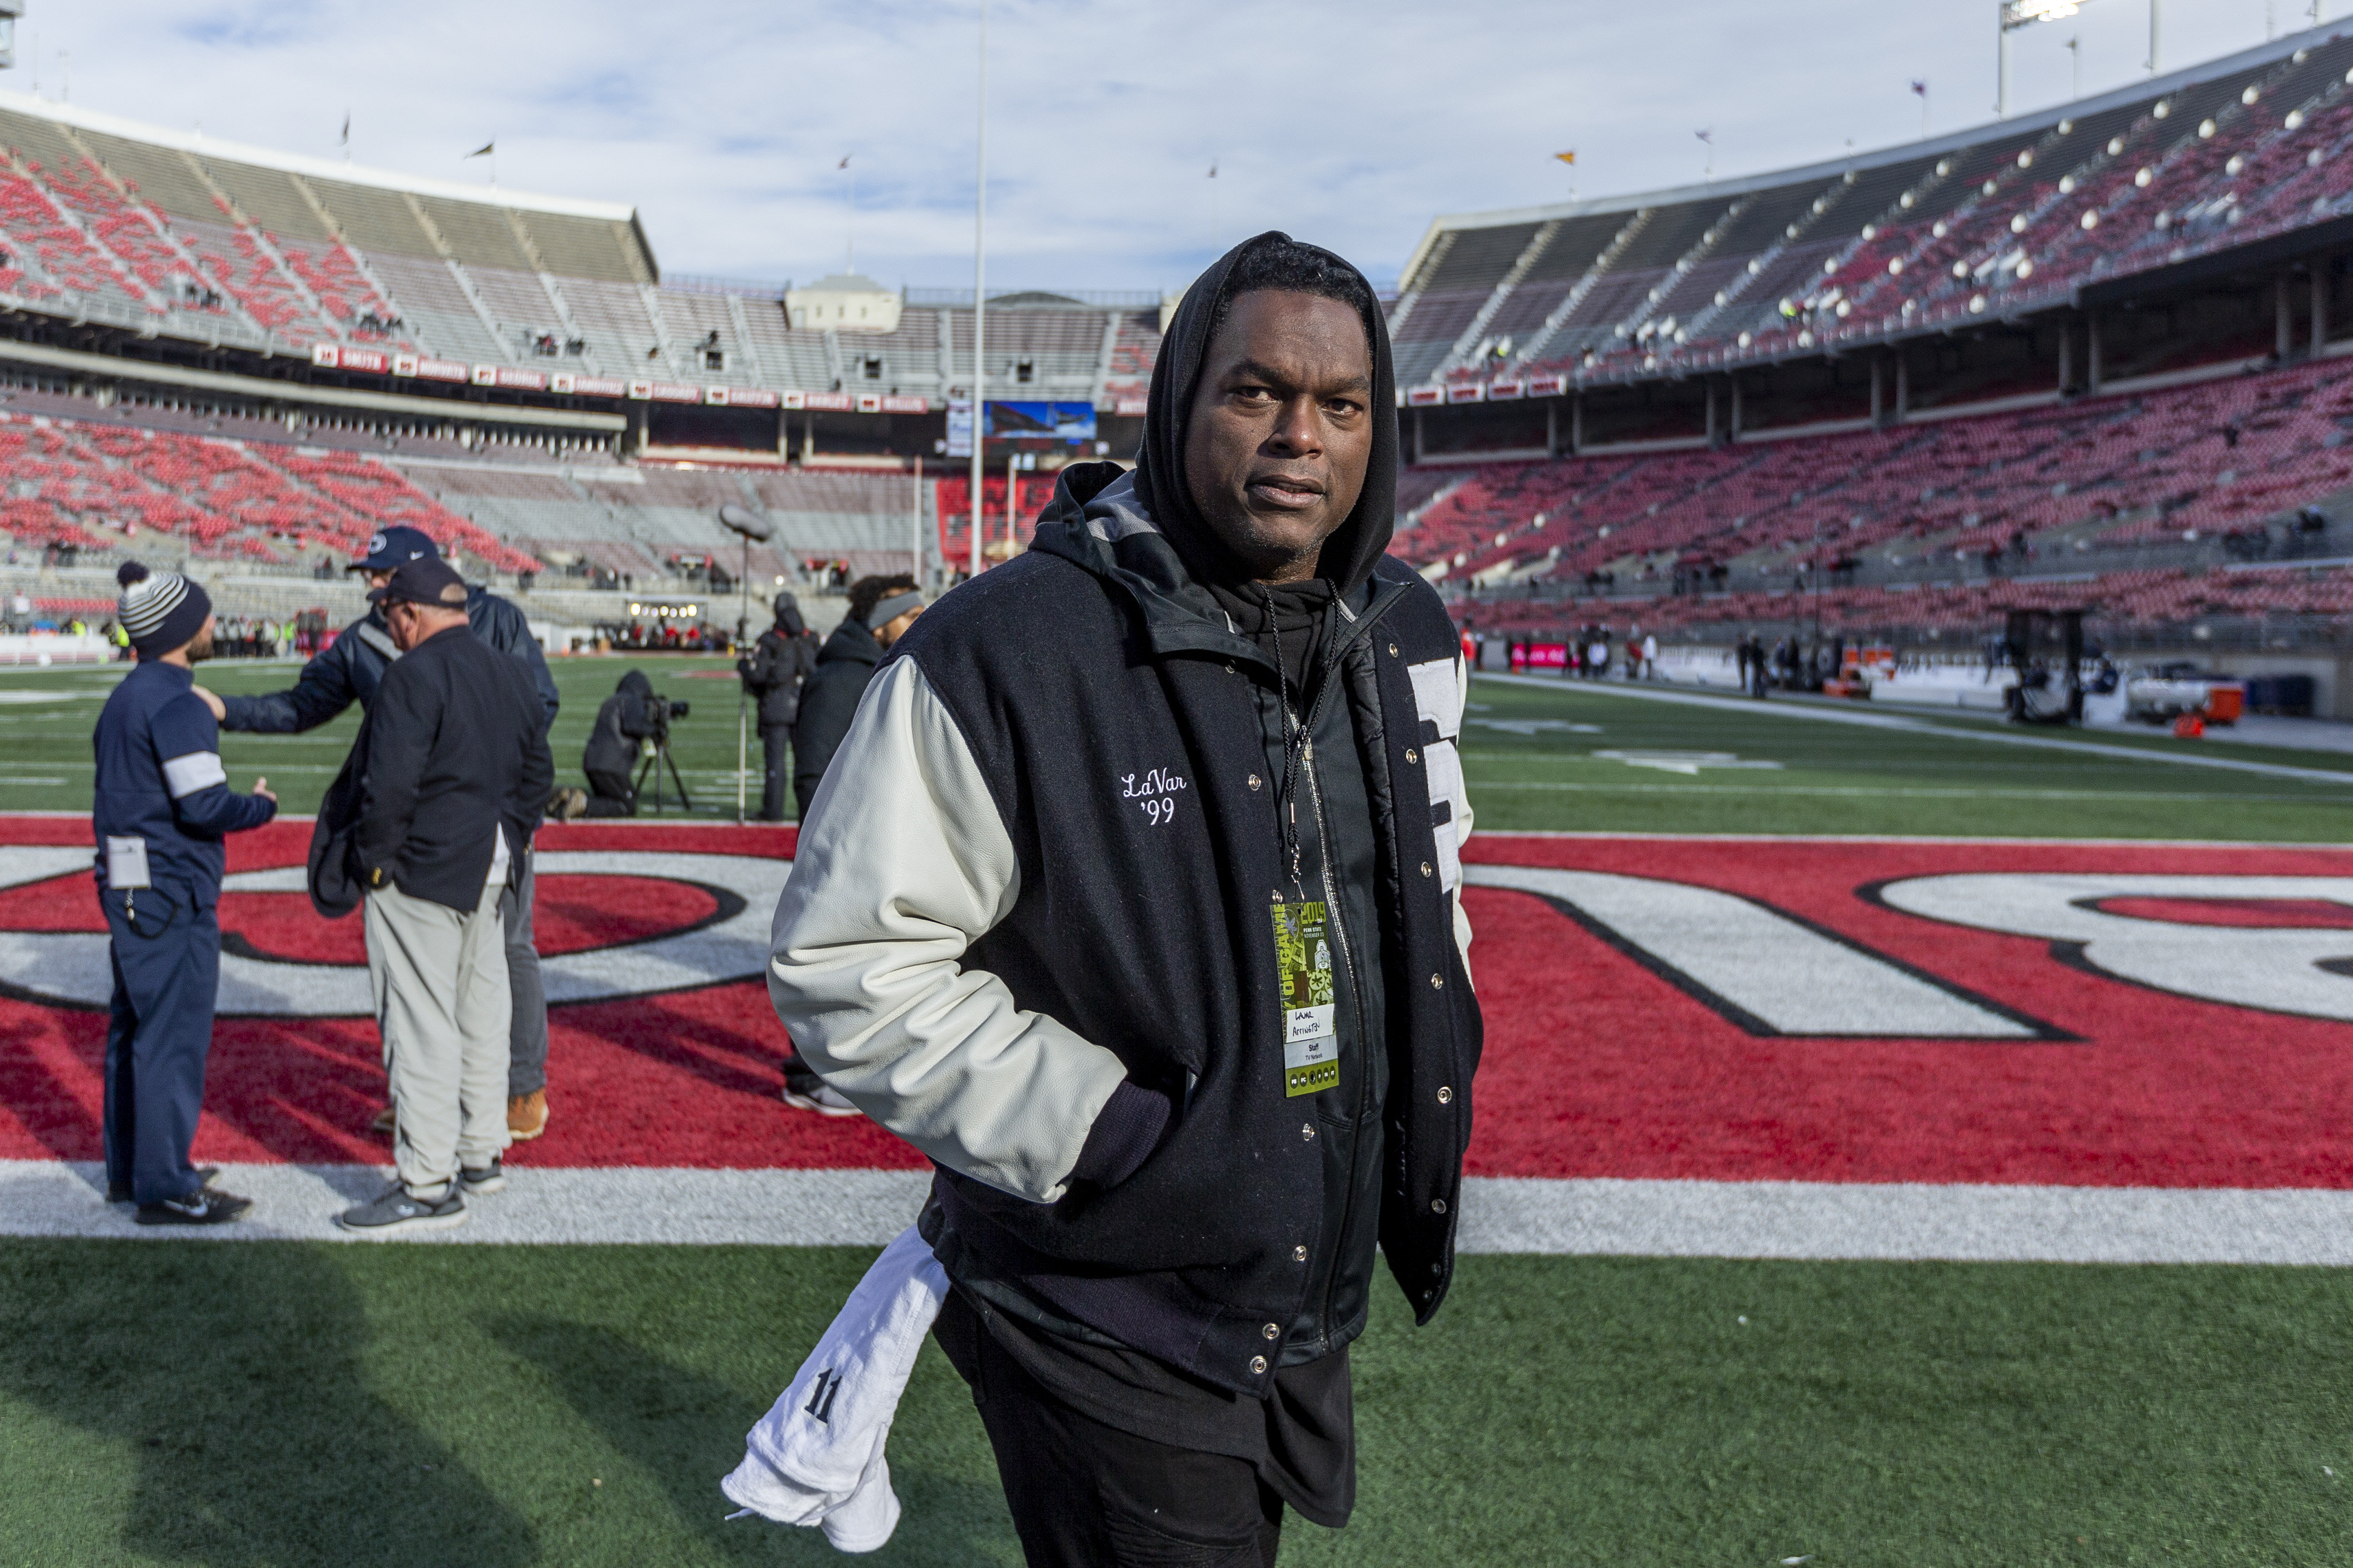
161,611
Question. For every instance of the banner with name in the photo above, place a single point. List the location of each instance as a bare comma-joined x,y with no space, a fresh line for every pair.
959,428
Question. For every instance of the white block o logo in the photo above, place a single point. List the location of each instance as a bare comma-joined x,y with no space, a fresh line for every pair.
2276,969
71,969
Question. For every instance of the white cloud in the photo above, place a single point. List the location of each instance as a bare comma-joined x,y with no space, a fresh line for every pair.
1350,122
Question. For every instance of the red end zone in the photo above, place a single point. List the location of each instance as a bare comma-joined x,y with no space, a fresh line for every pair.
2143,1015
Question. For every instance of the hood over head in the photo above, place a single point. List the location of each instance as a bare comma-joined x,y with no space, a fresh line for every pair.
1352,550
636,684
788,616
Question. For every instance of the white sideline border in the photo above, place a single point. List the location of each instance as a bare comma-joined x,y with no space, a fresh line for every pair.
1818,1221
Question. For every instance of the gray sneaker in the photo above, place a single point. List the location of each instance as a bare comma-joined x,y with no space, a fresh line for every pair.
490,1178
397,1214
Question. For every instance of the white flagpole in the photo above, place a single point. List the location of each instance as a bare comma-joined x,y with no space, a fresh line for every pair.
979,288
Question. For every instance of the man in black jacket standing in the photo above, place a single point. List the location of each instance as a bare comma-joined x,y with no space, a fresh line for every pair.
879,612
774,673
1132,900
349,671
455,766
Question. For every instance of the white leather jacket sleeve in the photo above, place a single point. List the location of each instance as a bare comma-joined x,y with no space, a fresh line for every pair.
903,862
1440,689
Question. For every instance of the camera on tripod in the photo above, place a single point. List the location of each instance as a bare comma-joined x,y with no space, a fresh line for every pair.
659,712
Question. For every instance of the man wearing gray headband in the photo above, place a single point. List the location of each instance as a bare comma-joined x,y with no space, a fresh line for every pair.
881,610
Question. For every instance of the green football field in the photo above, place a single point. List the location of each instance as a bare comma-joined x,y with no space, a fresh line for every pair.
291,1403
1529,747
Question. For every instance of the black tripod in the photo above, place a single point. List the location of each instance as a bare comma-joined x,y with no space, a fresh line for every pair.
654,765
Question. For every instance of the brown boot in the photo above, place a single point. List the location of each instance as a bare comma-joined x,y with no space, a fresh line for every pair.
382,1125
527,1115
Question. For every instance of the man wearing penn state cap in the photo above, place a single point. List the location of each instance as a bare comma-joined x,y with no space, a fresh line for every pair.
348,671
161,809
453,768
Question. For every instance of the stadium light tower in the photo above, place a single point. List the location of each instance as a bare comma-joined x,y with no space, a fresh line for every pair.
2011,15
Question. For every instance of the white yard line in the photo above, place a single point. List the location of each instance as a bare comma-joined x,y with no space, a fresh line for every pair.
1798,1220
1787,710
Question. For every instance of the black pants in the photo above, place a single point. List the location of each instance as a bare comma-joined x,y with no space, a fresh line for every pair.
1084,1495
611,794
774,739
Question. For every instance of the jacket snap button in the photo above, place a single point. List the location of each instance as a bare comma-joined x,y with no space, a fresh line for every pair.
1438,1205
1253,781
1258,1365
1299,1255
1229,667
1438,983
1411,755
1307,1131
1393,652
1425,868
1438,1268
1445,1095
1272,1332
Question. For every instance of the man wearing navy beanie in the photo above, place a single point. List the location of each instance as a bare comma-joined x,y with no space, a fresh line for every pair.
161,810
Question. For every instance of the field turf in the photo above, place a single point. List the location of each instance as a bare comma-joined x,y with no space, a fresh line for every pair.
288,1404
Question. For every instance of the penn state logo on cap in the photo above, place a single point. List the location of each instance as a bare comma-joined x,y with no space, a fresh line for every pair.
390,548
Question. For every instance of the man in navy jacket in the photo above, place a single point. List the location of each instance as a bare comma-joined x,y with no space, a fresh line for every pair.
1132,900
160,811
348,671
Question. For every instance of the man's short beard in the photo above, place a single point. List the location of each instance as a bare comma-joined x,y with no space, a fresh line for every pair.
201,649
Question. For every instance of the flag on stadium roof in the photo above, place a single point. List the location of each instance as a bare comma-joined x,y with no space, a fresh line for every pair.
1567,157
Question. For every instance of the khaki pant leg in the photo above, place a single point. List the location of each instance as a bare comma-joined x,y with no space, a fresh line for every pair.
484,1020
413,947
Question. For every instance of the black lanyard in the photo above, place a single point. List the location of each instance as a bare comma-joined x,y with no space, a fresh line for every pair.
1295,736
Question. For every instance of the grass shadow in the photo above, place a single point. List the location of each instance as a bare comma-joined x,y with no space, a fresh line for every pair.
234,1374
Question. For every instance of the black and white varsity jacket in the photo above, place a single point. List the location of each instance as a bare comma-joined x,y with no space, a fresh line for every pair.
1041,866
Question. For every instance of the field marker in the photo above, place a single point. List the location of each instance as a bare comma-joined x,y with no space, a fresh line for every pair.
1919,727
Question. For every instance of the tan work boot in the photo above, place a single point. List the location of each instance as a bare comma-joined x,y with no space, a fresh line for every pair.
527,1115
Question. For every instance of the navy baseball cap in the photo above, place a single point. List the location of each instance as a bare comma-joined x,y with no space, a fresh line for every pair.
431,581
393,547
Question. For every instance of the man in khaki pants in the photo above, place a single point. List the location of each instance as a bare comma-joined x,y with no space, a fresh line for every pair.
456,765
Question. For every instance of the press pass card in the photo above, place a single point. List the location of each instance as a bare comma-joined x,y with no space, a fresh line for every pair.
1311,1039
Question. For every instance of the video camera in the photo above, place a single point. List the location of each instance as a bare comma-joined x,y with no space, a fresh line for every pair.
659,712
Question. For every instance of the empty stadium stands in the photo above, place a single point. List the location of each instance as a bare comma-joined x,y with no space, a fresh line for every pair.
159,231
1965,510
2006,219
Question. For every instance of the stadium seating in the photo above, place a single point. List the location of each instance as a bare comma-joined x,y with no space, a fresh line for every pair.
2012,220
2088,482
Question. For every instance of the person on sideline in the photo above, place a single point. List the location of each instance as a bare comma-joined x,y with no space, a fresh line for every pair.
879,612
1130,901
349,671
774,673
454,767
161,809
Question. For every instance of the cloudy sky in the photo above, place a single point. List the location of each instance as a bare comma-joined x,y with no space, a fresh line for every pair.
1347,121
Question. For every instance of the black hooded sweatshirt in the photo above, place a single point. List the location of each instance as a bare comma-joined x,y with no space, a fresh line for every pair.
1143,535
621,722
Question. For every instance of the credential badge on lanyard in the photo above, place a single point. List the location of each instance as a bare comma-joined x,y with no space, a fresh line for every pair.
1311,1037
126,863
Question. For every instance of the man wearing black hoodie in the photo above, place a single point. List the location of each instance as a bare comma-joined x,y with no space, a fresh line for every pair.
774,673
1131,899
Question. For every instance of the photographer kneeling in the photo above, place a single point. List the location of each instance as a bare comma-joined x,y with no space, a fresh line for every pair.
634,714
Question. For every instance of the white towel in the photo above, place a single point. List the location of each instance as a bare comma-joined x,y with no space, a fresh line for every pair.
815,1458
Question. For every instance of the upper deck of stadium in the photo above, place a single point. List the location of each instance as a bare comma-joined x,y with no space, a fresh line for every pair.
111,223
2002,220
